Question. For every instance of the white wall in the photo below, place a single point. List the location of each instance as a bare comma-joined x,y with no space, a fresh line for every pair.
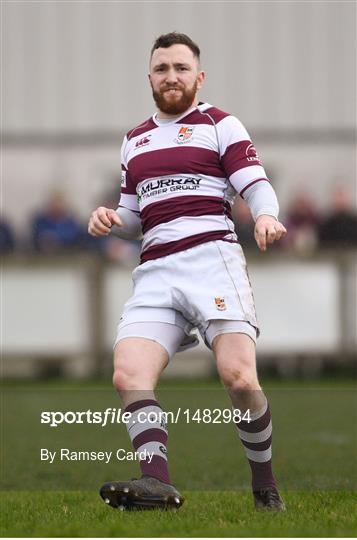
70,65
48,310
45,311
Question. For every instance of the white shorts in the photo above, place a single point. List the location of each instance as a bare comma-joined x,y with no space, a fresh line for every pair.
204,287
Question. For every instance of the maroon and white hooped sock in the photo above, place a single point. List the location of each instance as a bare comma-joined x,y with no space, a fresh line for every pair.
256,437
147,431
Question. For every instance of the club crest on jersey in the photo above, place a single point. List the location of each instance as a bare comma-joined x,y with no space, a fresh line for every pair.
184,135
220,303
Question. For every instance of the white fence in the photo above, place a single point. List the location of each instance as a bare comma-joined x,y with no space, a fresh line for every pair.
68,308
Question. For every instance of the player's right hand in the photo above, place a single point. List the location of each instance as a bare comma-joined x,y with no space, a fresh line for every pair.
101,221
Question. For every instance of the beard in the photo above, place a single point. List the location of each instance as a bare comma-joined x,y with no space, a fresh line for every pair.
175,104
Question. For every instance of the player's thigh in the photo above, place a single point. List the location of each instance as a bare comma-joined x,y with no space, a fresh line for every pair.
138,362
236,359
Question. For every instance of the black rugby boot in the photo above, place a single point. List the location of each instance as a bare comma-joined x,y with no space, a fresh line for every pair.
145,493
268,499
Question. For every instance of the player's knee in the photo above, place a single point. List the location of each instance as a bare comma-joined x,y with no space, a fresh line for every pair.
236,380
118,379
123,379
244,385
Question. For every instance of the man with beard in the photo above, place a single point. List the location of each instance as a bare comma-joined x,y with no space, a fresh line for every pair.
181,170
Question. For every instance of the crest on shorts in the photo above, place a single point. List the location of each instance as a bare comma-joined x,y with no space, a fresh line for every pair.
184,135
220,303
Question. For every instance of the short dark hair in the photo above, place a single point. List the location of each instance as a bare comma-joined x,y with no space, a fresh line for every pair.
175,38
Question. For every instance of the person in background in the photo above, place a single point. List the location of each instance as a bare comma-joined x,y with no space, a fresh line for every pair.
338,229
302,219
55,228
7,240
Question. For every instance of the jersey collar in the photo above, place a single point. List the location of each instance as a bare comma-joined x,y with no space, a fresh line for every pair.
201,106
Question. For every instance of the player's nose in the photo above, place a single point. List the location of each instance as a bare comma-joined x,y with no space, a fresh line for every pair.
171,76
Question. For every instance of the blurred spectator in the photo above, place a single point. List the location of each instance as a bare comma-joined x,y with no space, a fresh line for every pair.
55,229
302,221
7,241
339,227
243,223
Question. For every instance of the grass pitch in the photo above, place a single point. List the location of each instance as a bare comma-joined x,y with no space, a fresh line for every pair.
314,449
204,514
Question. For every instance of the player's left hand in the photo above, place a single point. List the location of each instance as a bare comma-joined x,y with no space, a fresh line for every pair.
268,230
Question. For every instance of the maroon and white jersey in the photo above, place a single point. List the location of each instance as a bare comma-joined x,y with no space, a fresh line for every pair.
182,177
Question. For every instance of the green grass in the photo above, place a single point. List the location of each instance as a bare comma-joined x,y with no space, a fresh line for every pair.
314,449
211,514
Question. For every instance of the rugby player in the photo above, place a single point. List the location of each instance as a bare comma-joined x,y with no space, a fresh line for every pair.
181,170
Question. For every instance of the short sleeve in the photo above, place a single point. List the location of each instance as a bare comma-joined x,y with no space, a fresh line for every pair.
239,157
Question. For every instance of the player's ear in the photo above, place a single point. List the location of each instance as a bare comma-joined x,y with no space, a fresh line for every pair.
200,79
